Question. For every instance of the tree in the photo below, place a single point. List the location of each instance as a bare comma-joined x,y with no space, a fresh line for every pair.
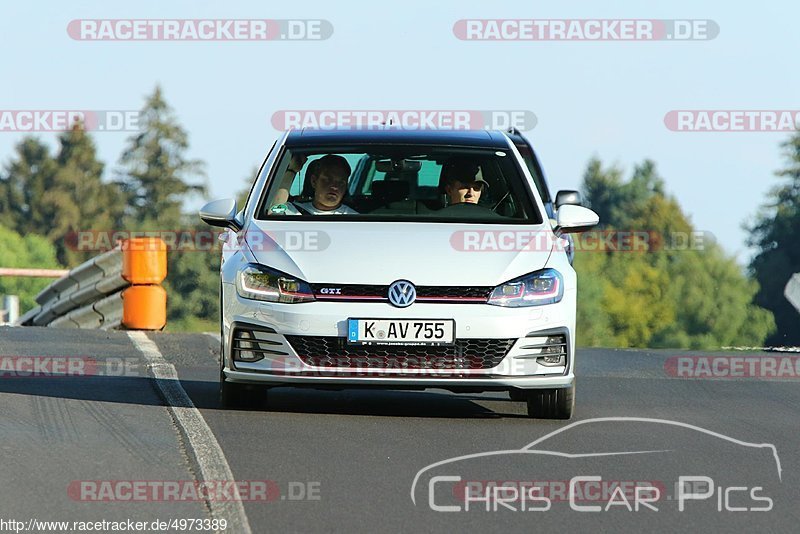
775,234
31,251
193,284
593,321
663,296
155,168
78,197
26,180
56,196
156,180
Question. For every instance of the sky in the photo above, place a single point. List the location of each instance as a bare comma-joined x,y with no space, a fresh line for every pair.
605,99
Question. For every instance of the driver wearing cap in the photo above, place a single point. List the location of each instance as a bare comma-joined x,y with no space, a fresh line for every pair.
462,181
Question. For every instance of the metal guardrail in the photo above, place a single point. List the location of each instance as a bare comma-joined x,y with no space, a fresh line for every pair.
33,273
9,314
93,295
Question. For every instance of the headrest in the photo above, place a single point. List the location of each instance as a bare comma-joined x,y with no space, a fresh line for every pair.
308,190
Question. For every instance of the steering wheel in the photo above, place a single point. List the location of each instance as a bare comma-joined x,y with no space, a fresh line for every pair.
467,208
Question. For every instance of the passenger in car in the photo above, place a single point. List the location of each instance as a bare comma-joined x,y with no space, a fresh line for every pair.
461,180
328,177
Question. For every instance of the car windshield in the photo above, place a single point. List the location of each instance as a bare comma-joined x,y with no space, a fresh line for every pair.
399,183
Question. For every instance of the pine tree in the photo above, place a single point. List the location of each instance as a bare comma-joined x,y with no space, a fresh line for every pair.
155,180
78,197
28,176
155,168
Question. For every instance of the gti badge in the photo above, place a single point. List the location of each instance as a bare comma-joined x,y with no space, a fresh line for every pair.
331,291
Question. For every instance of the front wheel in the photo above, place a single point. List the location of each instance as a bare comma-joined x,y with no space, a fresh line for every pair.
551,403
233,395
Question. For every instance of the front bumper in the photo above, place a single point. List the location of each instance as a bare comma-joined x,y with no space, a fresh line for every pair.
482,383
281,364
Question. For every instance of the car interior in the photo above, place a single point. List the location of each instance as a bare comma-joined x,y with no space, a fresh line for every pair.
412,184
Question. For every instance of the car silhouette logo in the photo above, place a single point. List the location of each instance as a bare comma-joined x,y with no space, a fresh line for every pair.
402,293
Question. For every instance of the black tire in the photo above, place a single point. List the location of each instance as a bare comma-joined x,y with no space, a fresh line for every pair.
237,396
551,403
517,395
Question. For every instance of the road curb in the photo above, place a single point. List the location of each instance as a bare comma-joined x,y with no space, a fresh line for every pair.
202,446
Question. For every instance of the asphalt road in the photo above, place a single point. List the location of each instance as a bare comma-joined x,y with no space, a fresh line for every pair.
364,460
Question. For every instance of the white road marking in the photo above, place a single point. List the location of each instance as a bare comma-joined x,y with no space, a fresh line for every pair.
200,441
765,349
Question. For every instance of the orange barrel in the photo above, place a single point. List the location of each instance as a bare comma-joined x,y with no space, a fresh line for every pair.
144,260
144,308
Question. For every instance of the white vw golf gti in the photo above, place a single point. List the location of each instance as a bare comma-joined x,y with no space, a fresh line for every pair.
402,260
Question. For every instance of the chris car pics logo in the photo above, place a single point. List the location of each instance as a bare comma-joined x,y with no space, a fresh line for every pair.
659,465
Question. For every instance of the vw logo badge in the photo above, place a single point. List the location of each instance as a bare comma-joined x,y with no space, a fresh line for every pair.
402,293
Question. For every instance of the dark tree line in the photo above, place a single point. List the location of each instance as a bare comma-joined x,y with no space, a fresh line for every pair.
56,196
674,291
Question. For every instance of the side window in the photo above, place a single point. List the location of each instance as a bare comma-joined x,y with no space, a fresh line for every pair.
260,172
537,179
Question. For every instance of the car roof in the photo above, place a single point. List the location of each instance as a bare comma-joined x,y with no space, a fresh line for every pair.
463,138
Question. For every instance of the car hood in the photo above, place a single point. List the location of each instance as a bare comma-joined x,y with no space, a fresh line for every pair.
381,252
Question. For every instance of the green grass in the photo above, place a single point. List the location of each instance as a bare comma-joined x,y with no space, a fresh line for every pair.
192,324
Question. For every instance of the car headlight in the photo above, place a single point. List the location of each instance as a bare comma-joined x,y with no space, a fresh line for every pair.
262,283
534,289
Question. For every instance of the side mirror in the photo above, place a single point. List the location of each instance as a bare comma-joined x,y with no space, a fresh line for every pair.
571,219
568,197
221,213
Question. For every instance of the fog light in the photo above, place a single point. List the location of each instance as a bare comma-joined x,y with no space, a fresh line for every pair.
240,346
555,351
551,361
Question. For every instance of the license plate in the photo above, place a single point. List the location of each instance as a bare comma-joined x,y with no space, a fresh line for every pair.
401,331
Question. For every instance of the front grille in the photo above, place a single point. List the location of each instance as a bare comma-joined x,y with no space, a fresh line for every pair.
378,292
464,354
453,292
